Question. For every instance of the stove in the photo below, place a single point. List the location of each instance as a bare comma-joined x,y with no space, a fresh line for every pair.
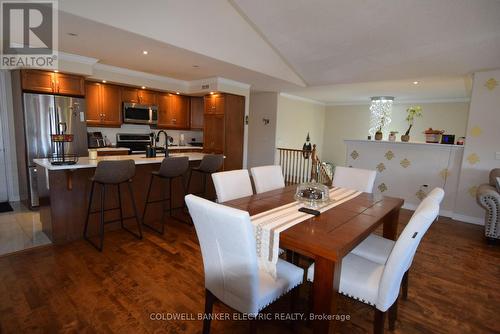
136,142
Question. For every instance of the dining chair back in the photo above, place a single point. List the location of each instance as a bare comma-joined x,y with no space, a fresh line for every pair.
403,252
267,178
229,252
232,185
354,178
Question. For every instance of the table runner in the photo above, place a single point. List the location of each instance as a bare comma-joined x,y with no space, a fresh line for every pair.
268,225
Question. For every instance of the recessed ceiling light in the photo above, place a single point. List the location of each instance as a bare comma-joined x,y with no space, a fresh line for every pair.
56,71
72,34
211,93
145,52
196,66
415,82
177,93
104,81
143,87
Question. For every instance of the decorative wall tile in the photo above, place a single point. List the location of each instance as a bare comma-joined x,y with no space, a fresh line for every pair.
389,155
382,187
381,167
473,158
444,173
354,154
405,163
472,191
475,131
420,194
491,84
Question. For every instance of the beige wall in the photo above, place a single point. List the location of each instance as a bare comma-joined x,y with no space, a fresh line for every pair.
352,122
261,136
296,117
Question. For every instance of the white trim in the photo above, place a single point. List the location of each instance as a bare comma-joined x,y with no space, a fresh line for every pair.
303,99
396,101
77,58
233,83
450,214
436,145
137,74
468,219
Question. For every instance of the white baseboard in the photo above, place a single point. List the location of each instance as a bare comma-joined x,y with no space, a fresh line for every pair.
450,214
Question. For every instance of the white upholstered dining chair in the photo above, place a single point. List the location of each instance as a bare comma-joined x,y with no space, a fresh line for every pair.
377,249
228,248
354,178
267,178
232,185
378,284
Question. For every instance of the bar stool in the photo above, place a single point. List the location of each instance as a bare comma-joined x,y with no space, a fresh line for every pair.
209,164
112,173
171,168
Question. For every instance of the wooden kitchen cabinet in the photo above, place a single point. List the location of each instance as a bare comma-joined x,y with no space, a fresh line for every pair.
173,111
214,104
196,111
141,96
103,105
52,83
223,128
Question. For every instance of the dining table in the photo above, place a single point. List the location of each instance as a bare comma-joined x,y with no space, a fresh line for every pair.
327,238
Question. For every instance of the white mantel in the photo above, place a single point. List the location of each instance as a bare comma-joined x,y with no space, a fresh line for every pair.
404,167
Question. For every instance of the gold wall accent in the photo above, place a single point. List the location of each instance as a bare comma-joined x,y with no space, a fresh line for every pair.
354,154
472,191
475,131
420,194
491,84
389,155
405,163
444,173
382,187
381,167
473,158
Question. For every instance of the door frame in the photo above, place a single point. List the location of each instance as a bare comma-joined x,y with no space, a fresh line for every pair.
7,132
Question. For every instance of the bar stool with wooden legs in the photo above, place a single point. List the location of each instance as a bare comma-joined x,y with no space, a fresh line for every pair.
210,164
113,173
170,169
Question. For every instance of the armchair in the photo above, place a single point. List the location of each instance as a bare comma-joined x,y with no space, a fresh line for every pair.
488,196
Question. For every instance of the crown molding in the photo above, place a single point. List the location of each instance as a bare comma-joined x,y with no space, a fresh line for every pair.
396,101
139,74
77,58
303,99
233,83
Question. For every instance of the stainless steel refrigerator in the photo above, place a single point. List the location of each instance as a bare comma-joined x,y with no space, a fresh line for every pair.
44,115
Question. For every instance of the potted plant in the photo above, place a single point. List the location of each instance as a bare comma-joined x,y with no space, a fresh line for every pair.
379,134
413,112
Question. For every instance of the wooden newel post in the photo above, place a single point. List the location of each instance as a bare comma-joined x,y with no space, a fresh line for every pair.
314,166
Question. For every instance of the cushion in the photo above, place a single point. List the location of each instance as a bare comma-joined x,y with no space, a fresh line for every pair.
375,248
498,184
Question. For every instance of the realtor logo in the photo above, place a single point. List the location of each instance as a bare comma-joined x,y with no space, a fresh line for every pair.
29,34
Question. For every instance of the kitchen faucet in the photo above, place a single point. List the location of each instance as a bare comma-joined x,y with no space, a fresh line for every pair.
166,140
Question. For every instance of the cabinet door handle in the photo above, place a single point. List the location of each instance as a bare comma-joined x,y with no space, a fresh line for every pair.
58,86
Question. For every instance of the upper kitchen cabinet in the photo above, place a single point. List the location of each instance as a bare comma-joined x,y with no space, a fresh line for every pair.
142,96
173,111
103,105
224,126
52,83
214,104
196,108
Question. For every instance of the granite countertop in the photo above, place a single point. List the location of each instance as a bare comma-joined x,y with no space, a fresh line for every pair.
139,159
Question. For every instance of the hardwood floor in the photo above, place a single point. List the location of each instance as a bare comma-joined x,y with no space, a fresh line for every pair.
454,287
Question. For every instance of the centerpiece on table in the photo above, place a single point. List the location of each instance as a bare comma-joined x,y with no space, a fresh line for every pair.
412,113
312,194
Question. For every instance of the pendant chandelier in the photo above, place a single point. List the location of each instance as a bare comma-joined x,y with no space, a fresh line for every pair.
381,109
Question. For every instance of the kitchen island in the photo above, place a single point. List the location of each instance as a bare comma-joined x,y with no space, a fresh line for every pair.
64,194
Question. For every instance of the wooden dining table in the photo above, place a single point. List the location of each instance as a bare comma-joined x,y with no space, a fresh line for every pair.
327,238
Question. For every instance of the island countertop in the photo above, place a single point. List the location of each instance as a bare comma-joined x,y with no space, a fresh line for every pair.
139,159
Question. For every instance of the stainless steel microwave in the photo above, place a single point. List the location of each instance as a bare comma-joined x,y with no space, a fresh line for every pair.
136,113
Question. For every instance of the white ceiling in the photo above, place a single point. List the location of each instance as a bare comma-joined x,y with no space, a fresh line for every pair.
334,51
341,41
432,89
